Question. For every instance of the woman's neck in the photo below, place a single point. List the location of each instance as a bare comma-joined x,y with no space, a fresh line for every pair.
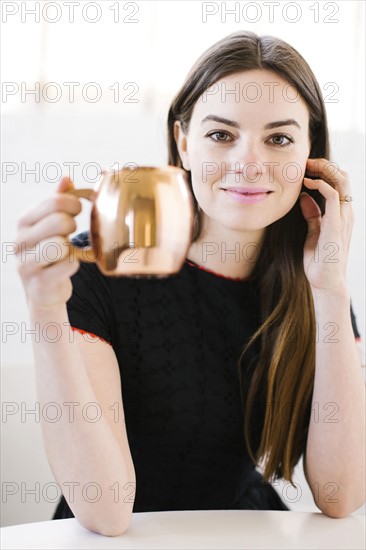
231,255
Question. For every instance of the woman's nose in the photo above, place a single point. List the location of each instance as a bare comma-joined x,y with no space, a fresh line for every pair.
249,162
251,170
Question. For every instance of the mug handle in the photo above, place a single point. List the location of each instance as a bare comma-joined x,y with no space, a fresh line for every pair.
91,251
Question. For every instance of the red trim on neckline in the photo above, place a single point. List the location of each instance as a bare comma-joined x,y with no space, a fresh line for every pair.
190,262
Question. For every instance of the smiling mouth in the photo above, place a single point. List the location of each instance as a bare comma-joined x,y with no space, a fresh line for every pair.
247,197
248,193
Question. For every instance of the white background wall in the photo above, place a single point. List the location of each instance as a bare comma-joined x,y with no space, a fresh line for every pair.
154,54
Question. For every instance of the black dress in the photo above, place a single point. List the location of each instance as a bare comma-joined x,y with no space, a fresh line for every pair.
177,341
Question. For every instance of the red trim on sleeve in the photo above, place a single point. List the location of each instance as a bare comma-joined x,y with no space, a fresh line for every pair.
358,339
90,334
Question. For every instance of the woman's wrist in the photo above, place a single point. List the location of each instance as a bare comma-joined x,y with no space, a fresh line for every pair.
46,311
340,292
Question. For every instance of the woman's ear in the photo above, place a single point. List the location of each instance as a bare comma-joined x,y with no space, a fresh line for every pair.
181,141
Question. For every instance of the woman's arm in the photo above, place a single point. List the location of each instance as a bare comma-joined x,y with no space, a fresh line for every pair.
77,380
87,447
334,463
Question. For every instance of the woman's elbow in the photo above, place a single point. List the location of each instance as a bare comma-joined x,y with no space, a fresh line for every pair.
336,514
108,527
339,512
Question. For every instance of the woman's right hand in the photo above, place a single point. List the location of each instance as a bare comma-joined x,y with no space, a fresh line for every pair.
46,283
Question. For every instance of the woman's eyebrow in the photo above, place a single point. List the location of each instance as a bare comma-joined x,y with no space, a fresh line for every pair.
288,122
216,118
269,126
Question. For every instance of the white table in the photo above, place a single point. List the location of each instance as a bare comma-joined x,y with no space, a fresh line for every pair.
211,529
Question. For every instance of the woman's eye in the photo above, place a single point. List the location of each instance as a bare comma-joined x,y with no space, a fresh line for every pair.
220,136
281,140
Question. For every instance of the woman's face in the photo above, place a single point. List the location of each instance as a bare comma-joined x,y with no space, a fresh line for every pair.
250,130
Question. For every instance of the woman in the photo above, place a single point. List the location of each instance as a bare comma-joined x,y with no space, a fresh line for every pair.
204,375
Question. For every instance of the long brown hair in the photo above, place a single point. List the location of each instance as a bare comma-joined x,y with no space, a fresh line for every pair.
277,385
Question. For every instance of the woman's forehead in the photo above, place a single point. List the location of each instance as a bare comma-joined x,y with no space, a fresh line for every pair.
252,93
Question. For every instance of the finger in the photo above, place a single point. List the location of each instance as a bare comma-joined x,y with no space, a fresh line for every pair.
52,279
45,253
311,213
332,205
57,271
55,224
329,172
65,184
62,202
309,207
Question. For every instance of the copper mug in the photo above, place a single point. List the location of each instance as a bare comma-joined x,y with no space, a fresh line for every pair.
141,221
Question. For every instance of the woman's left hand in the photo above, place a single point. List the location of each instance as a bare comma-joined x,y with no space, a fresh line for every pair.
327,243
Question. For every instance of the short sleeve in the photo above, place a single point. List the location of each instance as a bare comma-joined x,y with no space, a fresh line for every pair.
90,306
354,326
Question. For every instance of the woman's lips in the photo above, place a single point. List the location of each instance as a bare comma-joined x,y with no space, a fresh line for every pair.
248,190
247,198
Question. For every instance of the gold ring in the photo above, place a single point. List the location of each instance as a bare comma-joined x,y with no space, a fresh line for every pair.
347,198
